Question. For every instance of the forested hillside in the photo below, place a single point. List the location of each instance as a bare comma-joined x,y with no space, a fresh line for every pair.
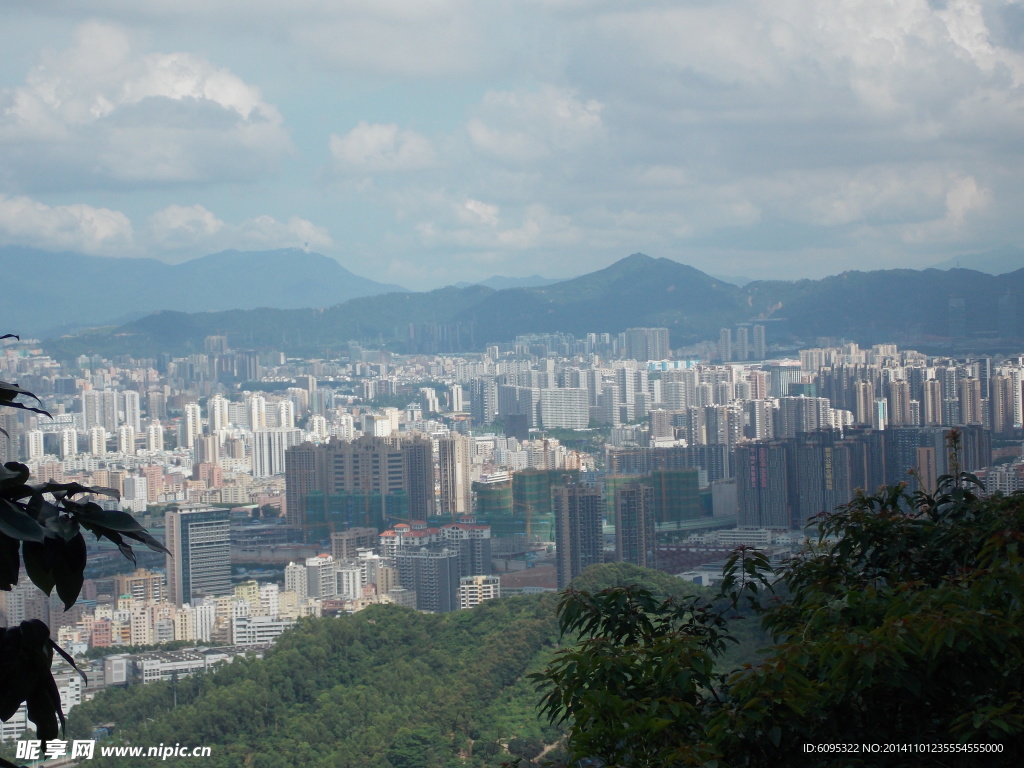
385,687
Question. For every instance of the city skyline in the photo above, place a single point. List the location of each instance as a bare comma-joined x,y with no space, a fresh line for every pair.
430,144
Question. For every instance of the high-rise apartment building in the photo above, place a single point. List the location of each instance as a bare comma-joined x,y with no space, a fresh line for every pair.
99,408
1001,404
899,403
132,412
483,400
126,439
454,464
191,425
199,563
932,410
971,411
155,436
645,344
156,404
256,411
68,443
217,414
760,348
742,343
725,345
269,448
321,576
141,584
761,486
34,448
97,441
473,543
346,544
564,408
433,575
579,516
635,539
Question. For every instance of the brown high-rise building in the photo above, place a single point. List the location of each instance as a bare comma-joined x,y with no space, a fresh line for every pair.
141,584
454,463
338,484
932,405
970,402
899,403
864,402
345,545
1001,403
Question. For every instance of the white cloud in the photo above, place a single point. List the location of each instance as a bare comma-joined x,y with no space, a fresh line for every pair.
268,232
183,226
480,228
102,113
193,230
964,196
76,227
525,126
173,233
551,129
381,147
477,212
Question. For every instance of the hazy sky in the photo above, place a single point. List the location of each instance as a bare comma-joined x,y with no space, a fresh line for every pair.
423,142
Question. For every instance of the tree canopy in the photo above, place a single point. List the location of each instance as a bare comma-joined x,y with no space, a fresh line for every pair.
386,686
901,624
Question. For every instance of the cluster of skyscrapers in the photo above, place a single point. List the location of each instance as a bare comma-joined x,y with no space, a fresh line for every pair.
597,444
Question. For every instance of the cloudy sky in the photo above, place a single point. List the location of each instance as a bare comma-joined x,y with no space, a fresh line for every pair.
423,142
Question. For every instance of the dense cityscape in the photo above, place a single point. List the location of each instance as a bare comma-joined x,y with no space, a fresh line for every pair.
286,488
545,384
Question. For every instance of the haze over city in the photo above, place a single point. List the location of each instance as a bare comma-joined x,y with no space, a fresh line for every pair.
424,144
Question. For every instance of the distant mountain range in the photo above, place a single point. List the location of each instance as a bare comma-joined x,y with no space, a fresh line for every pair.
500,282
924,307
53,293
996,262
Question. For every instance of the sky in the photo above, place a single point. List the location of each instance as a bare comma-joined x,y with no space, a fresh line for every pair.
425,142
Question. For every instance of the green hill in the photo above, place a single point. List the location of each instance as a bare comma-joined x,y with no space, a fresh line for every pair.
385,687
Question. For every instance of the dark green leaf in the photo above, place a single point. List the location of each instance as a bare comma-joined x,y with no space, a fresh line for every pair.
68,561
18,524
37,565
10,561
111,519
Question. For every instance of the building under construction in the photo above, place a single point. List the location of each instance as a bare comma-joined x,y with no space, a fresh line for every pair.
367,482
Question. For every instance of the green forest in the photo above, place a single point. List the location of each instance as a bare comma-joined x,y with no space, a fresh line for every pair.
385,687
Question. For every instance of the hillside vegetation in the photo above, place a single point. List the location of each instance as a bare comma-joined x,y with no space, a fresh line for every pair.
385,687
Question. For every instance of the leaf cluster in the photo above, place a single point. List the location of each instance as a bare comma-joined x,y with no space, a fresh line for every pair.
41,526
641,678
901,623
